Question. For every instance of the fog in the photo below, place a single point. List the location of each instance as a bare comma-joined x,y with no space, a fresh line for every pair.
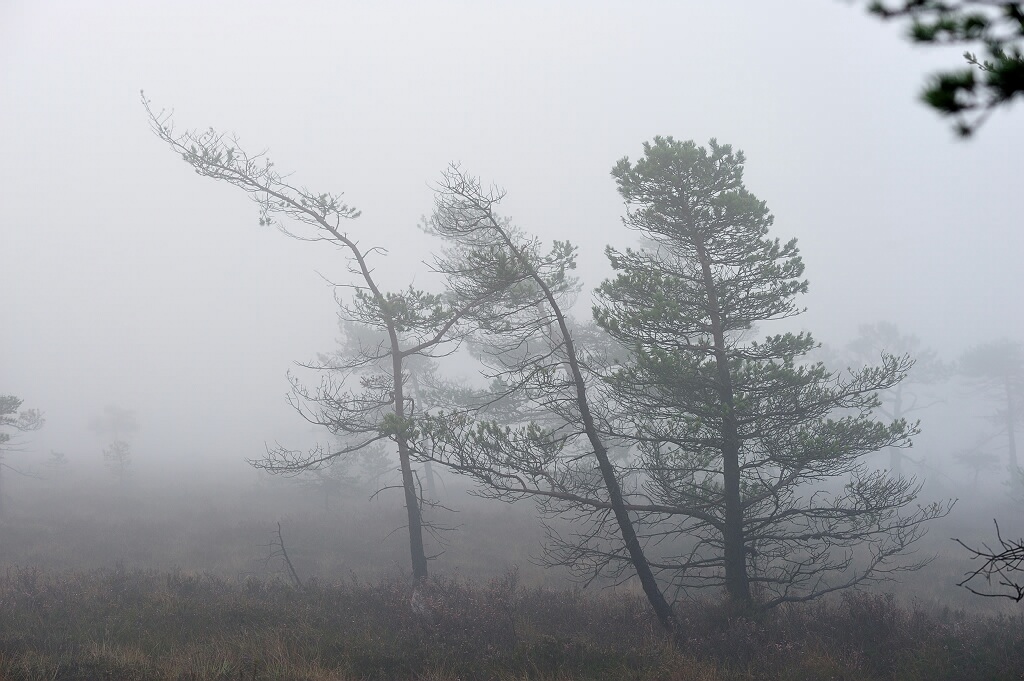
130,281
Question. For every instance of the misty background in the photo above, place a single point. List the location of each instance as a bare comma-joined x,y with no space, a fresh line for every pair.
130,281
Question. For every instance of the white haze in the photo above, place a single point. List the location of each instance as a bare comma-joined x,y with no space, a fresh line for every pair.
129,280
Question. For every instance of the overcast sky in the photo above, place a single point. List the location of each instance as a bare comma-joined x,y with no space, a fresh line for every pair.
128,279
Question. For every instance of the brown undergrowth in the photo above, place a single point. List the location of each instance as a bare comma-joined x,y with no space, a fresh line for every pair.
137,624
222,614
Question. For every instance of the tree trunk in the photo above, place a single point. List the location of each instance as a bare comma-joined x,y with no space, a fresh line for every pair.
412,506
431,484
661,607
427,468
412,498
737,582
636,554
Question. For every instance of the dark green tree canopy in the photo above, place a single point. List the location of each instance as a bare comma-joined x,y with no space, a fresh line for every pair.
691,204
749,455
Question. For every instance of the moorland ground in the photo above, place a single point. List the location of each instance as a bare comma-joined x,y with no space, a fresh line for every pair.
184,580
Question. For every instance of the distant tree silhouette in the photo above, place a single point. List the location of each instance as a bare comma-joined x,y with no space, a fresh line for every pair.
115,426
118,458
907,397
977,460
13,421
997,370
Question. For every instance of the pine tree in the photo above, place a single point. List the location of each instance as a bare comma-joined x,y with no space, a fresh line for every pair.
737,437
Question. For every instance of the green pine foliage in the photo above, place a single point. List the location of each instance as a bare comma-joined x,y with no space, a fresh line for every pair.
970,94
753,453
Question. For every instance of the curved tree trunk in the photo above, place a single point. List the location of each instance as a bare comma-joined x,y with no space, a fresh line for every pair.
648,582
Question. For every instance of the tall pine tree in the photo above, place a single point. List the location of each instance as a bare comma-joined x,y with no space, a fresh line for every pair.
741,437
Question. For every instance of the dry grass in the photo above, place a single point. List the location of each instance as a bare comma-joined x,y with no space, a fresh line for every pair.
151,625
161,584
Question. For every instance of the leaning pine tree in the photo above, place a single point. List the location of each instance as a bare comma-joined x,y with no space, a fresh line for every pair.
363,398
752,456
536,432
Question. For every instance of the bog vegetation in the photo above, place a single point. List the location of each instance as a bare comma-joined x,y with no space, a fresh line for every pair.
162,584
685,449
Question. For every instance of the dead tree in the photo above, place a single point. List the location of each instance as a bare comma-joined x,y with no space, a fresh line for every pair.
1001,568
277,549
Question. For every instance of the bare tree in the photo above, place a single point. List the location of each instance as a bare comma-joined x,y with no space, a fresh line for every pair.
363,396
1001,568
277,550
